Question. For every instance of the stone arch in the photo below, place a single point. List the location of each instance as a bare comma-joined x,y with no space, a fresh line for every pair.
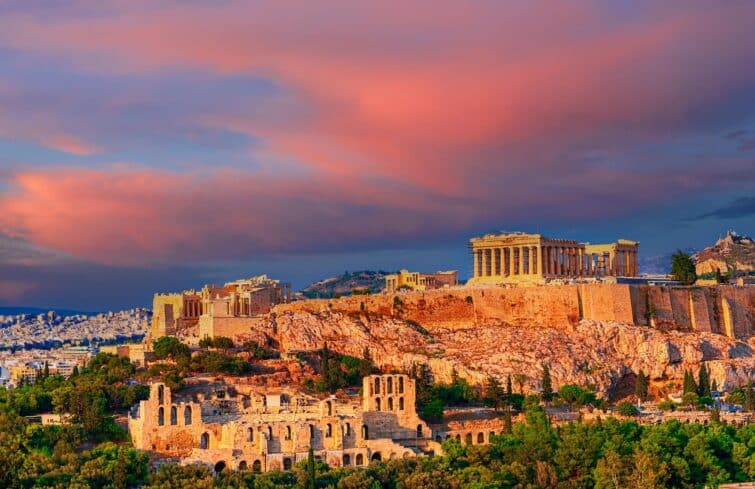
376,457
392,456
390,404
328,408
400,403
328,430
359,460
286,463
250,434
438,438
204,441
419,431
187,415
407,455
377,404
458,438
389,385
480,438
160,394
377,385
468,439
346,460
347,429
365,432
257,466
161,416
243,465
269,432
173,415
288,432
219,467
400,385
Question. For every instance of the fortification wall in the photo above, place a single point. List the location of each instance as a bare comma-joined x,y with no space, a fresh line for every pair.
718,309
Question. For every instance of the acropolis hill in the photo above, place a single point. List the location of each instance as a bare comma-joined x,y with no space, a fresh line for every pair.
591,334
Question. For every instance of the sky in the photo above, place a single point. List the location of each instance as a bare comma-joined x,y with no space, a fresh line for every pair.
159,145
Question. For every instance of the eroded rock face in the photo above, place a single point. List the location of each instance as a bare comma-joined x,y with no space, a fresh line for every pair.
587,352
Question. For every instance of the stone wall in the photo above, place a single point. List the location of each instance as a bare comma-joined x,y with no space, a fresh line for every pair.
718,309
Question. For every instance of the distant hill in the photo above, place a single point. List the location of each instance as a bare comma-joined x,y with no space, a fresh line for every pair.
732,252
345,283
13,311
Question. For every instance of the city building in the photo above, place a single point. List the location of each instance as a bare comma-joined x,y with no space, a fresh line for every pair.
420,281
521,258
216,310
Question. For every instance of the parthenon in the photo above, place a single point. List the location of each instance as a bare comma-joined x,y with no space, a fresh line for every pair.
522,257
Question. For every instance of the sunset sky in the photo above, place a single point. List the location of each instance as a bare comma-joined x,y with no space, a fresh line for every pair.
159,145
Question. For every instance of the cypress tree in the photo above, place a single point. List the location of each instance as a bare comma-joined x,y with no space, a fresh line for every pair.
75,371
311,472
46,371
507,421
703,383
689,382
546,383
714,385
749,397
641,386
509,390
120,476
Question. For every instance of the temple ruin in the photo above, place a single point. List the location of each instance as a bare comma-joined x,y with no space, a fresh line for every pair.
521,257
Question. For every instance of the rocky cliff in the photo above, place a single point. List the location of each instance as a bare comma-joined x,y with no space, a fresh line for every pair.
590,335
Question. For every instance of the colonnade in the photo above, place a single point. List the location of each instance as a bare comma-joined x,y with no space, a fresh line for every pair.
192,308
553,260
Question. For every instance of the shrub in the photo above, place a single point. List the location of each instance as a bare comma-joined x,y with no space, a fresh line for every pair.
627,409
667,405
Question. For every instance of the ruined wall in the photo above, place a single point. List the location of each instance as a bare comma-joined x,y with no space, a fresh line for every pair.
230,327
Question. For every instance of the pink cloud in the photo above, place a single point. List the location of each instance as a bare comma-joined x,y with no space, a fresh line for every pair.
70,144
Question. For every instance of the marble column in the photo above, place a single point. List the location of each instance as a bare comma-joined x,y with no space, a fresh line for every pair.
476,258
512,269
521,260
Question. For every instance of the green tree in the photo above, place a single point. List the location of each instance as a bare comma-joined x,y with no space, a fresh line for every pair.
703,382
494,395
749,397
170,347
689,384
520,380
547,387
641,386
683,268
311,471
575,395
509,389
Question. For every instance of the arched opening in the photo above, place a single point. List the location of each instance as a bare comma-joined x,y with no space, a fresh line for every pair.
269,432
242,465
468,439
376,457
390,385
204,441
377,385
359,460
392,456
438,439
257,466
286,463
347,429
400,385
328,431
480,438
346,460
311,432
400,403
160,394
365,432
161,416
250,434
390,404
187,415
419,431
219,467
288,432
377,404
328,409
458,438
173,415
